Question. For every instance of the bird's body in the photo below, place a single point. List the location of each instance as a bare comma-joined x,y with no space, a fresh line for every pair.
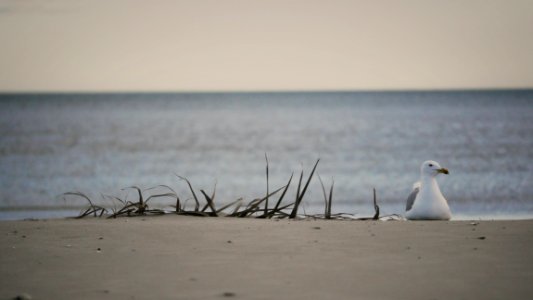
426,201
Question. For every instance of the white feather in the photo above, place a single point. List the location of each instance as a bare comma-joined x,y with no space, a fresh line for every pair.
429,203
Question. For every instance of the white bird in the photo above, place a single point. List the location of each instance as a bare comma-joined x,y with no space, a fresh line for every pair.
426,202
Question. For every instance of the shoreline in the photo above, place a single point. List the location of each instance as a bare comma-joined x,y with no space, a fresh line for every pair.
180,257
54,213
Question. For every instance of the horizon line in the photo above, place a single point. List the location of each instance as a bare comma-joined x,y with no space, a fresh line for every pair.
263,91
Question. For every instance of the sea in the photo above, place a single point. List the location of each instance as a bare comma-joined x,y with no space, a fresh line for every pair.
100,144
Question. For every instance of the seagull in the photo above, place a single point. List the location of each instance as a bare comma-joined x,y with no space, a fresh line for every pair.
426,201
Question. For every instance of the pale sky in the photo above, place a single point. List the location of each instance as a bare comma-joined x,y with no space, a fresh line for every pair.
228,45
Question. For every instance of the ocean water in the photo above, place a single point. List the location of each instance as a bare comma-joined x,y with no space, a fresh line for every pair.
100,143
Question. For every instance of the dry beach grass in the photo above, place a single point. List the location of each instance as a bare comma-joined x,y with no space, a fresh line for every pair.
253,208
258,208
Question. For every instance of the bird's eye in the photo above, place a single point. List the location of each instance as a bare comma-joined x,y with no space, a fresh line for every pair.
431,165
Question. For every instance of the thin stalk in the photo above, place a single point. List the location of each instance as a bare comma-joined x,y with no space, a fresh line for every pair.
325,196
266,201
281,197
376,207
228,205
197,204
210,203
301,196
328,214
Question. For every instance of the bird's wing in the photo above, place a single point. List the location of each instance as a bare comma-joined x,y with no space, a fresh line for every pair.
412,196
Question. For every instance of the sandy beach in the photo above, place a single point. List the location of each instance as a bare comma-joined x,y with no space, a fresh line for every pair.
179,257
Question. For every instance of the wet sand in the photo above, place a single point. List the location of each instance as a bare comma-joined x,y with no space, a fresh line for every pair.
178,257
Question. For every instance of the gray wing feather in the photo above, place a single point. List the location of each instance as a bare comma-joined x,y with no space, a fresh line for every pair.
411,199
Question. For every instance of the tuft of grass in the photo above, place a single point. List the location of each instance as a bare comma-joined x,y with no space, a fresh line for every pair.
113,198
253,207
327,200
171,194
140,206
277,209
300,196
197,204
93,209
258,207
212,198
228,205
210,204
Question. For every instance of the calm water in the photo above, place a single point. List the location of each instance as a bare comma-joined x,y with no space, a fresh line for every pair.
50,144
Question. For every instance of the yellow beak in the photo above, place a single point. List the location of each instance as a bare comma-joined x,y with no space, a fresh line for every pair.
443,171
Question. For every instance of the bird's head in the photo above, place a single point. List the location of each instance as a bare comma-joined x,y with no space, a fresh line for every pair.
432,168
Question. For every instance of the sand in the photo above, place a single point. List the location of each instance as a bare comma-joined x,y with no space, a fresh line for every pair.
179,257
